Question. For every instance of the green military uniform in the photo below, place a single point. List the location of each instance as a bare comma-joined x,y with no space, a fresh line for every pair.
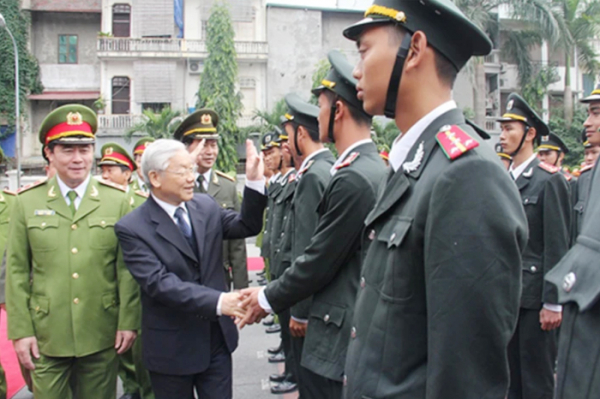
439,287
578,282
545,195
202,124
66,282
581,193
329,266
133,374
7,198
137,183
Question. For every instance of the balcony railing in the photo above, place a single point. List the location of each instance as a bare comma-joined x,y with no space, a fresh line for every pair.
117,122
127,46
493,57
491,124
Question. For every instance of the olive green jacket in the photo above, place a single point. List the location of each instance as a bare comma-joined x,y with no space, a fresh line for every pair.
272,192
66,281
440,285
7,199
281,247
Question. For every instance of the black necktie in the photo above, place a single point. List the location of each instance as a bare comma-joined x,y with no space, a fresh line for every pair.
201,183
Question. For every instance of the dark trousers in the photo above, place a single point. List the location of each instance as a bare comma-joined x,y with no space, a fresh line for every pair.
315,386
286,342
531,357
213,383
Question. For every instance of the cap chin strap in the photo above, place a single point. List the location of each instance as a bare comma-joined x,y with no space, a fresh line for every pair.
296,127
512,155
394,86
332,121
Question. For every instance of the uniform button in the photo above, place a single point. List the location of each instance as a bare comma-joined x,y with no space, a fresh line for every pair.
372,235
345,380
362,282
569,281
73,227
326,318
102,223
353,333
37,308
43,224
224,205
393,236
282,234
75,276
76,301
74,250
526,201
533,269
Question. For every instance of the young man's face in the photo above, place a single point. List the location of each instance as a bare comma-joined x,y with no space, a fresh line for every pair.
591,154
208,156
138,162
377,48
323,118
551,157
511,136
291,132
592,123
116,174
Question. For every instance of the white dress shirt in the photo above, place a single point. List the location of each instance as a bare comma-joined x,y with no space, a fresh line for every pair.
80,190
404,142
345,154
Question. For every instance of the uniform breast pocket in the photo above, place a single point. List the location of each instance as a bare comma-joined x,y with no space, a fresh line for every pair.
398,277
102,232
43,233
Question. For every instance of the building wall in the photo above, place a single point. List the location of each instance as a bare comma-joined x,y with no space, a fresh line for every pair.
62,5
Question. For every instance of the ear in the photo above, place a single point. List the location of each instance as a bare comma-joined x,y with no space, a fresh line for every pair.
531,133
561,156
417,50
155,180
49,154
340,110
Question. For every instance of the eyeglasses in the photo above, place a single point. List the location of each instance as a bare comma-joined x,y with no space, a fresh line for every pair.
182,172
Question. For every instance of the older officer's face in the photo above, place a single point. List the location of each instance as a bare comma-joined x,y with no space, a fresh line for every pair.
208,156
175,184
377,47
592,123
116,174
72,162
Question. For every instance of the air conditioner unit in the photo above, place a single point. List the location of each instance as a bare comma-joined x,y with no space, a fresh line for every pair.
195,67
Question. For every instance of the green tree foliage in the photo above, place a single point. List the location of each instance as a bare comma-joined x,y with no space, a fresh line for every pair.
536,87
18,22
384,133
159,126
321,69
218,83
570,133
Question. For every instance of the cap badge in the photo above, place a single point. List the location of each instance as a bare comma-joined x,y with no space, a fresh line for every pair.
74,118
509,105
206,119
108,151
400,16
289,117
545,138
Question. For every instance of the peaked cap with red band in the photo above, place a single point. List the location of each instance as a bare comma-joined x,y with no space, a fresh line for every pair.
141,145
69,124
115,155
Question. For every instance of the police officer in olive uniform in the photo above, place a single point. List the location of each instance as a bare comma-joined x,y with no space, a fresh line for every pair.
329,267
577,279
440,283
117,167
545,196
302,127
7,199
137,180
200,128
72,304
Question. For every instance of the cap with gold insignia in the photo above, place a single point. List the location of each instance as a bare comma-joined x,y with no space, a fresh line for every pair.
594,95
142,144
585,140
517,109
270,140
115,155
501,153
301,112
69,124
201,124
552,142
447,29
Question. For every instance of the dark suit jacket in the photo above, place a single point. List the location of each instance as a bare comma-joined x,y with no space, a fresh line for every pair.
547,201
180,288
577,277
440,285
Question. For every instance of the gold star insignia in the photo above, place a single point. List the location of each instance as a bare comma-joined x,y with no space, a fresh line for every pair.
206,119
74,118
108,151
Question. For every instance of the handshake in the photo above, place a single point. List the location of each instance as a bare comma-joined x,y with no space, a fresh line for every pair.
244,306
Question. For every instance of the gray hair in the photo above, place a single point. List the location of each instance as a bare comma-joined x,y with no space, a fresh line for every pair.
158,156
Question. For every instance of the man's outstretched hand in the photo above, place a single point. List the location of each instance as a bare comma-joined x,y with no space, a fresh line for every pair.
255,167
231,305
254,312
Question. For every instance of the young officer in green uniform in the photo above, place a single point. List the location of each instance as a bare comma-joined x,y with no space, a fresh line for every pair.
545,196
7,199
577,279
302,127
72,304
137,180
117,167
200,128
440,283
329,267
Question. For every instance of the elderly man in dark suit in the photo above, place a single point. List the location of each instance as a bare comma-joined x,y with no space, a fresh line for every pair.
172,244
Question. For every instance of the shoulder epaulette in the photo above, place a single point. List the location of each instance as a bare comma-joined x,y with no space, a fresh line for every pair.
455,141
291,177
304,169
348,161
9,192
142,193
32,185
225,175
111,184
567,176
586,168
549,168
